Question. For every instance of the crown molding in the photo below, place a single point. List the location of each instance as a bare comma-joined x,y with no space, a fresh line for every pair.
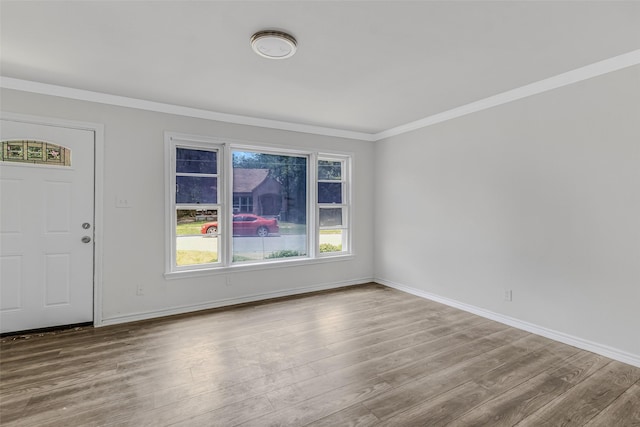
159,107
574,76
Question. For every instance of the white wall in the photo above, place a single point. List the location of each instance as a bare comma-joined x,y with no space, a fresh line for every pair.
541,196
134,238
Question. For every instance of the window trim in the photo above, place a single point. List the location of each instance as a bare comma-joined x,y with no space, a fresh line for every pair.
225,148
346,204
172,142
277,151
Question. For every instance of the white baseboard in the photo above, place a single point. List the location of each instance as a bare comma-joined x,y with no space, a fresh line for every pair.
114,320
594,347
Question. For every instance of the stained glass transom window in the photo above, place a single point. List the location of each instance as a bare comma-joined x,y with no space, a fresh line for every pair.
37,152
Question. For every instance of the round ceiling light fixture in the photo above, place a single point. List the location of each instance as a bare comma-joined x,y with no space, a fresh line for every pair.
274,44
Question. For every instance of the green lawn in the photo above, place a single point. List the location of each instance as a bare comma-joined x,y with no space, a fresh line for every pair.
195,257
189,228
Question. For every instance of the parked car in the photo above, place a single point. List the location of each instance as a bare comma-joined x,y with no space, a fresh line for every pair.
246,225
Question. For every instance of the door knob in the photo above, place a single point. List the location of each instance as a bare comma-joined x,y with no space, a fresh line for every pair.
86,239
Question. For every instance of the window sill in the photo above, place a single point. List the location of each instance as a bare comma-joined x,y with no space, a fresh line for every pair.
214,271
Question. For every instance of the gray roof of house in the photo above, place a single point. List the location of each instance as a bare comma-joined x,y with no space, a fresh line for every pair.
246,180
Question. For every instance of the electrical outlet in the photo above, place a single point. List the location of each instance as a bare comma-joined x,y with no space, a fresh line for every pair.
139,290
508,295
228,280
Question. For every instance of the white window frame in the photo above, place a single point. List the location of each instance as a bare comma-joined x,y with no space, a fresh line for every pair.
276,151
225,148
172,143
345,180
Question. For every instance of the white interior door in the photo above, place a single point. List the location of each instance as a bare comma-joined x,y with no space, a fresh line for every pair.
46,226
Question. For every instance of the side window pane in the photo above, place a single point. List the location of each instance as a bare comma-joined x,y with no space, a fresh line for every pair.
331,240
332,206
195,189
329,192
329,171
196,161
330,217
271,190
196,236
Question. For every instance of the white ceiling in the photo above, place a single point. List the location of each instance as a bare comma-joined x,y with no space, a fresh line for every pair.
363,66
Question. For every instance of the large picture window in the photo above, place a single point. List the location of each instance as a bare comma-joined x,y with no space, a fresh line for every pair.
272,223
240,205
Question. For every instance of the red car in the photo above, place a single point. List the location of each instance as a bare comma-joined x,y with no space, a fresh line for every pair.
246,225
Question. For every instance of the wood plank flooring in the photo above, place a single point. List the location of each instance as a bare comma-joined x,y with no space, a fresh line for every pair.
365,355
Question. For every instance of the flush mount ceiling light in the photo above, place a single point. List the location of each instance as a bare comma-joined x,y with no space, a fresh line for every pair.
273,44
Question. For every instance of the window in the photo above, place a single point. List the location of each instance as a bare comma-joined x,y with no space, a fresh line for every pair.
242,204
278,185
196,207
35,152
233,205
332,205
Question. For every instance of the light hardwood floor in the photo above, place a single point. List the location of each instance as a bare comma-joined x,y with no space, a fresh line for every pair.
361,356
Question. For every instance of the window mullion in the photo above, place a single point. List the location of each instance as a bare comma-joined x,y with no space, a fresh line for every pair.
227,211
313,225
